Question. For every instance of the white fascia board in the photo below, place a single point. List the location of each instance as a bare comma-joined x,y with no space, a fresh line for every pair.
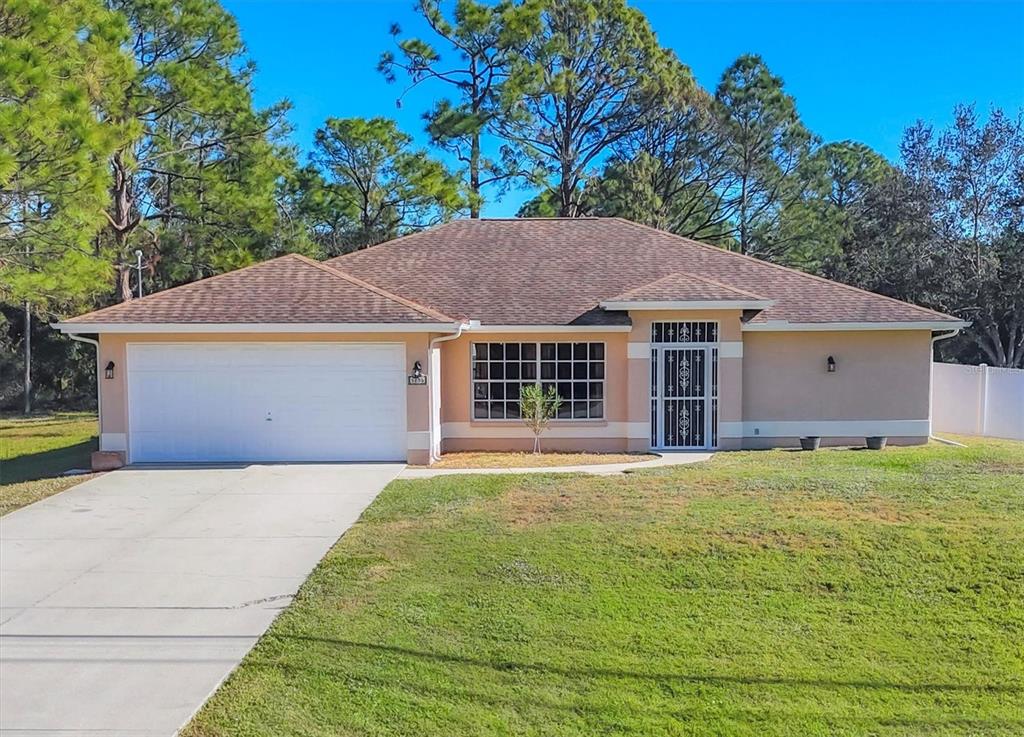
708,304
256,327
781,326
549,328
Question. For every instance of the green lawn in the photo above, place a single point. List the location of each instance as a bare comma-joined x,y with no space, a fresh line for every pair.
35,450
759,594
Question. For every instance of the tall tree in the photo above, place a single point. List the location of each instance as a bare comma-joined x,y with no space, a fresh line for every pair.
373,185
671,174
765,142
592,74
946,231
201,178
58,62
816,228
483,38
977,169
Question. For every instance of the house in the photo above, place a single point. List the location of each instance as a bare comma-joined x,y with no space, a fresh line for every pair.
421,345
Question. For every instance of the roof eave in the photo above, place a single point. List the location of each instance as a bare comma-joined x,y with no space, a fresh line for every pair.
255,327
700,304
779,326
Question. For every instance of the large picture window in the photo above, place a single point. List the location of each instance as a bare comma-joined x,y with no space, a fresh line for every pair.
575,370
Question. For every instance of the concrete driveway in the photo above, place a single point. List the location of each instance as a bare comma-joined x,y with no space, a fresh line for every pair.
126,600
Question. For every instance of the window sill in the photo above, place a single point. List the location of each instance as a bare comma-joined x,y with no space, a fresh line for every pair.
519,423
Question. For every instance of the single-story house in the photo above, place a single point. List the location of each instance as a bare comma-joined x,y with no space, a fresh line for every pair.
421,345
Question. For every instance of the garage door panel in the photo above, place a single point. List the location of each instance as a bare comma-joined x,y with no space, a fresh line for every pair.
269,402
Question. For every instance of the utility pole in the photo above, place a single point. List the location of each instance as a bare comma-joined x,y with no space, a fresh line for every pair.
138,266
28,357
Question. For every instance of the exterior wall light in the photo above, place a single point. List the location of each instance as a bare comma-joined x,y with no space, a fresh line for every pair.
417,369
108,372
831,365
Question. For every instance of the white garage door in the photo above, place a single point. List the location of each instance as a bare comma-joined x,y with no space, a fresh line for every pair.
266,402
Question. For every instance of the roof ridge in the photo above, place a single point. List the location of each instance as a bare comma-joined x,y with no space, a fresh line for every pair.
691,275
204,280
422,309
789,269
428,229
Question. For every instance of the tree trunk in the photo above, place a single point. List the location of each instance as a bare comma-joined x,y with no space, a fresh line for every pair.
124,290
122,221
474,178
28,358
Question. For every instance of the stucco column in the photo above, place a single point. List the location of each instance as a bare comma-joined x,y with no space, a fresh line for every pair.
417,405
730,395
638,371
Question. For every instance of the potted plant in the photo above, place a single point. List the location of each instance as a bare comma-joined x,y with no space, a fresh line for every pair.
810,442
538,408
877,442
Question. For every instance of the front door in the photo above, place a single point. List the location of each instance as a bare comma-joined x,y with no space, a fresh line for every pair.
681,407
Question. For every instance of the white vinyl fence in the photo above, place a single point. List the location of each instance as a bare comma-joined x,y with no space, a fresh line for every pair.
978,400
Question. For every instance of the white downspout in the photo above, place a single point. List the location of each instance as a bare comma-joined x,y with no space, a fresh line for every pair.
435,376
931,384
99,400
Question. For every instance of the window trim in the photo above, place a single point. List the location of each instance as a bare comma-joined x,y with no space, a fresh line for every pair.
603,420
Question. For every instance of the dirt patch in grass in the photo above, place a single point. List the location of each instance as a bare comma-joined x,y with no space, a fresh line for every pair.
473,459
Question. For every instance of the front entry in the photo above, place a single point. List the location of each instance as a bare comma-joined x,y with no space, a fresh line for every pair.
684,397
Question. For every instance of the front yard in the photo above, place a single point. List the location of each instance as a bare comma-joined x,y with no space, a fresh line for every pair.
36,450
759,594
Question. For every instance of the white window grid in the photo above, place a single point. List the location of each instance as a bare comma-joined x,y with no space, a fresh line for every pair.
690,331
499,370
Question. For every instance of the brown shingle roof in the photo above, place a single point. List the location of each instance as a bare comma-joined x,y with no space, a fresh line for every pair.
289,289
509,272
682,287
556,271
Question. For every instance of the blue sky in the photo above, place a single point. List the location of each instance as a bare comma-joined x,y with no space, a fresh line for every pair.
859,70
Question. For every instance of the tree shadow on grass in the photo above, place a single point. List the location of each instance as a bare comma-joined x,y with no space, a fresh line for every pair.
511,666
47,463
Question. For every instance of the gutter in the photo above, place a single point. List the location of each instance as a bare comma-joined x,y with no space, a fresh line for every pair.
931,381
99,403
462,326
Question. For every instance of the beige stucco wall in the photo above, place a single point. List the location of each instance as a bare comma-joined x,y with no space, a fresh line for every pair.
882,376
767,381
114,400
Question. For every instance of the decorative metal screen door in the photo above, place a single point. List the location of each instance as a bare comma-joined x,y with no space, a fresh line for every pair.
680,411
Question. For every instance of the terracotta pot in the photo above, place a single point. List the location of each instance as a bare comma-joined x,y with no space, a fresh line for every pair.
876,442
810,443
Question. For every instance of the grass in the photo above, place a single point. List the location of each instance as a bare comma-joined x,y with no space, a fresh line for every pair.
534,460
35,450
759,594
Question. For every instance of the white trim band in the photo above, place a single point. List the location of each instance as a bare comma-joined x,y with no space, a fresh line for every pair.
638,350
730,349
697,304
256,327
824,428
631,430
114,441
785,326
417,440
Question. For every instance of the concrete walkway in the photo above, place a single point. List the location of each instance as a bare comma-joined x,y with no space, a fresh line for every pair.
680,458
126,600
